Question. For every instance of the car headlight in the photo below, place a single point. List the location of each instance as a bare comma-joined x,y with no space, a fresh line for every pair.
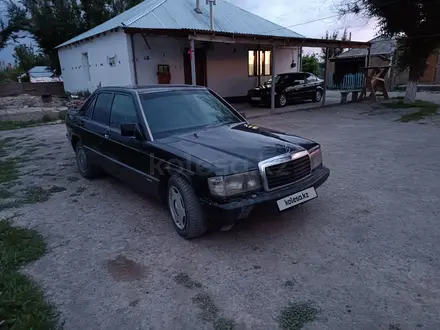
315,157
235,184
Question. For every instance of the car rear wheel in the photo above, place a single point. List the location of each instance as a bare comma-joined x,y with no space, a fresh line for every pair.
281,100
317,97
186,212
86,169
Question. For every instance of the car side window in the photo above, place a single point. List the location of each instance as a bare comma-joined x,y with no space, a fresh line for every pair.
89,111
123,111
102,108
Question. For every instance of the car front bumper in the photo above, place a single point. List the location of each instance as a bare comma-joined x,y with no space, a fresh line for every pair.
240,208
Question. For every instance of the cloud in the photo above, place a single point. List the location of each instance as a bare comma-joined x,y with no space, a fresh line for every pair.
294,13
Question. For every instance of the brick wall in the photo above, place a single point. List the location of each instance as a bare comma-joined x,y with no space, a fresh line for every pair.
35,89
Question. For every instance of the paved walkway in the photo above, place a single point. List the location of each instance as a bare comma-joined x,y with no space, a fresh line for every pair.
333,98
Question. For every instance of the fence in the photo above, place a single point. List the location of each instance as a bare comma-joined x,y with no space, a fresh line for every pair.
35,89
350,81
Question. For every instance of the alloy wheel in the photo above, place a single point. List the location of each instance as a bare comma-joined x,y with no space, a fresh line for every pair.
318,95
283,100
177,207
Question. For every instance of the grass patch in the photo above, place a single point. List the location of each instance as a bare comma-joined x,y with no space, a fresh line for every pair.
186,281
224,324
209,311
32,195
22,303
425,109
295,316
4,193
8,170
12,124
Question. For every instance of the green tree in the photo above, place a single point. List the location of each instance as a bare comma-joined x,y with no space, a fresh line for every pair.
414,23
26,57
333,52
310,63
52,22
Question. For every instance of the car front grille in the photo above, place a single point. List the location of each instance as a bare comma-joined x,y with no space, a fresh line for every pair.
288,172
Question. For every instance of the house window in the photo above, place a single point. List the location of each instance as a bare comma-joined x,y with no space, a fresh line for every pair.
86,66
259,62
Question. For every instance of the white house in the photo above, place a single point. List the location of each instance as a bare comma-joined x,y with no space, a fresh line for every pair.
218,45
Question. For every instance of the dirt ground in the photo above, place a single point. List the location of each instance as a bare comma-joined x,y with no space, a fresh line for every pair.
364,255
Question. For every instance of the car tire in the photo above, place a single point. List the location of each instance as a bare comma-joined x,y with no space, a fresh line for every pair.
186,212
87,170
317,96
281,100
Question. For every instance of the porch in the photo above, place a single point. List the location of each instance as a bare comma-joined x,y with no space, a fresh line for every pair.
219,60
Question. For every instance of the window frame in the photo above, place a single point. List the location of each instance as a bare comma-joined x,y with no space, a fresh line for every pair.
111,109
111,105
85,107
257,62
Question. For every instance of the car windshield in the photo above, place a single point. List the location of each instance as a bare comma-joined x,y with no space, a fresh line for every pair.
183,111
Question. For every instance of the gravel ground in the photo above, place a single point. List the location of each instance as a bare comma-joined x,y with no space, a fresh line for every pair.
364,255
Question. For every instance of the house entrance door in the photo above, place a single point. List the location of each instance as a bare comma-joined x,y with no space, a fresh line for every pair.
200,67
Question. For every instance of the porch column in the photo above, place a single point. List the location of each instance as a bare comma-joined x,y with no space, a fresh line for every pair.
272,91
367,59
325,76
192,57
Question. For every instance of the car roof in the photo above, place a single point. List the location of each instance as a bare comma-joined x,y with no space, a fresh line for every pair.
152,88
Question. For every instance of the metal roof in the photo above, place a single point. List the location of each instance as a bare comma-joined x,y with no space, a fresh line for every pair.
180,15
379,46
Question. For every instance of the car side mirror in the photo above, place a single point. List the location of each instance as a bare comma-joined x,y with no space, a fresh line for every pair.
131,130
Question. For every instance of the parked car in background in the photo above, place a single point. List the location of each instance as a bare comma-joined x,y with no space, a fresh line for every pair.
190,148
288,86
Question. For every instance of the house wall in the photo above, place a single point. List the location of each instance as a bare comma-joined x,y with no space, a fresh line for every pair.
226,64
161,50
227,68
430,73
99,50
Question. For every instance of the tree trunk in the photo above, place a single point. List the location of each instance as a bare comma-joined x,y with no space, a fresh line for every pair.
411,91
411,87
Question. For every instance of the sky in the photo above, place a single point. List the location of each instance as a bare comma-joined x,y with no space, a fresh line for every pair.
293,14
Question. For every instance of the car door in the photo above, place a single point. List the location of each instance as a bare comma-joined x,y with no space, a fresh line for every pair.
296,85
129,154
93,124
311,83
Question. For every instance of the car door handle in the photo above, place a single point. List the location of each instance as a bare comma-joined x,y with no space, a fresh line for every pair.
106,136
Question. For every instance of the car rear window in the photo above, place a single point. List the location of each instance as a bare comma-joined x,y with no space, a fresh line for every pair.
175,112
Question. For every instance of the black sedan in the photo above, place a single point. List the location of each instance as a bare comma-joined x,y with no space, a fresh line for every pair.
190,148
288,86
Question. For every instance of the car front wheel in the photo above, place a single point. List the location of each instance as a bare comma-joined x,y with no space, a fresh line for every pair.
186,211
85,167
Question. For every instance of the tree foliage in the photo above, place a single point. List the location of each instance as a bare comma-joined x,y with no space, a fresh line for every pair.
26,57
52,22
333,52
310,63
415,24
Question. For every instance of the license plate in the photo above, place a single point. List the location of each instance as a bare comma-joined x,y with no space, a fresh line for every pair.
297,198
254,98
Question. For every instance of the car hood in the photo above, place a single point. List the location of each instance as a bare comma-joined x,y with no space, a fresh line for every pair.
236,148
